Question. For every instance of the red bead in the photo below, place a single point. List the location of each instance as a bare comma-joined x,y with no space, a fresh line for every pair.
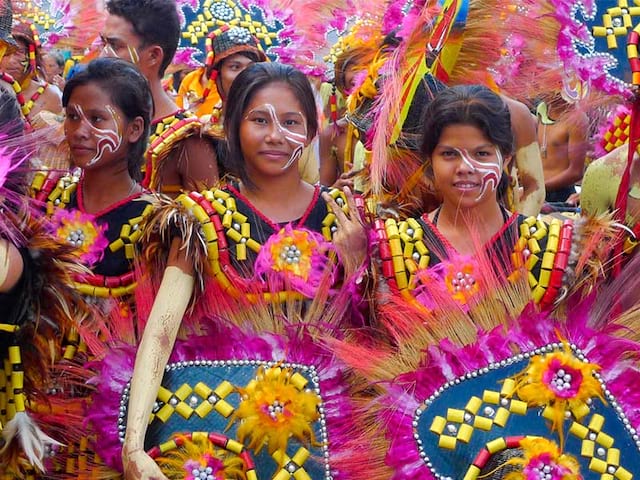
482,458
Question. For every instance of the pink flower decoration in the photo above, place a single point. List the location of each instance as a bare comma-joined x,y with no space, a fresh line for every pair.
296,259
81,231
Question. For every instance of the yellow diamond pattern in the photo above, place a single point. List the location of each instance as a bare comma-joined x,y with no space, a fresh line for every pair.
187,400
291,467
616,22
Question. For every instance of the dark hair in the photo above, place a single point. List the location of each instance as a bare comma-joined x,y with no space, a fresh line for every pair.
358,56
11,118
128,89
155,21
473,105
242,91
251,55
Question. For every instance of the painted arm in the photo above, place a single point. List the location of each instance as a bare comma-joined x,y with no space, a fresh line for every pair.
527,158
601,182
153,354
577,151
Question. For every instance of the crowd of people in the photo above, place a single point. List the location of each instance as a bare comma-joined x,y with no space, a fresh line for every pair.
241,271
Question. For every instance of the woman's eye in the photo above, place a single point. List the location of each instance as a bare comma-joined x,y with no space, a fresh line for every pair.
260,121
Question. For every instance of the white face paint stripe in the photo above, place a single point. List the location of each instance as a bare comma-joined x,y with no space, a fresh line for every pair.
133,54
107,139
490,171
297,139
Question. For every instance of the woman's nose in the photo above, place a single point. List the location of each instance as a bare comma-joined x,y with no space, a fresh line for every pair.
466,163
275,133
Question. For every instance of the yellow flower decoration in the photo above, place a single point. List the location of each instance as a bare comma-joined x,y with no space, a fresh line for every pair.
274,407
542,459
560,382
292,252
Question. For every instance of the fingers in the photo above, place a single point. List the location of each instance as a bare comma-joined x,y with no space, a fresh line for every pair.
341,217
353,213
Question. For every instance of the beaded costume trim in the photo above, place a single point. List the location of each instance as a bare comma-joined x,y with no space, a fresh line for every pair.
165,133
56,192
227,233
404,253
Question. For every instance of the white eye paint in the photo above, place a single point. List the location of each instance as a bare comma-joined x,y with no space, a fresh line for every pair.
107,140
491,171
295,138
134,56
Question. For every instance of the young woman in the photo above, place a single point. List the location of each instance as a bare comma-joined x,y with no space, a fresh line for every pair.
98,210
99,206
486,374
261,248
471,244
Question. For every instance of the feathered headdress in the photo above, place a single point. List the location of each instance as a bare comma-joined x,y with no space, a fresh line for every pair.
69,24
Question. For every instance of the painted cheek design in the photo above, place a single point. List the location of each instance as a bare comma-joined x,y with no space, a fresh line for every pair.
491,171
134,57
107,140
295,138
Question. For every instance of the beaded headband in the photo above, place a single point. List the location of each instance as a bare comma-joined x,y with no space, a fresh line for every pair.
229,40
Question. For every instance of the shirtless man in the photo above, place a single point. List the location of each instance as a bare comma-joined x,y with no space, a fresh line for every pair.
563,147
147,34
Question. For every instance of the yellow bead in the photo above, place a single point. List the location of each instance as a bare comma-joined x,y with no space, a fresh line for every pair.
473,405
455,415
465,432
501,417
438,424
448,443
588,448
497,445
472,473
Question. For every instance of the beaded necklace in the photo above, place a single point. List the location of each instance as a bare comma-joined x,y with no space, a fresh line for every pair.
25,105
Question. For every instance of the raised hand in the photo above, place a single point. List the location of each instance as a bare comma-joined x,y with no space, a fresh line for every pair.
350,239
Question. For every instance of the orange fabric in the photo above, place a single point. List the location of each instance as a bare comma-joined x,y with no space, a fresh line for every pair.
192,82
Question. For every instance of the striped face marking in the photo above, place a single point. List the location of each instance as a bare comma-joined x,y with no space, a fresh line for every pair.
490,168
292,126
107,139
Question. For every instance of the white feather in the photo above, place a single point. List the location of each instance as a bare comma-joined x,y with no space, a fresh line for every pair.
32,439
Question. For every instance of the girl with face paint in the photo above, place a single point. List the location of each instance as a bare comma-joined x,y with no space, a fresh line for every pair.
98,210
270,238
471,242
